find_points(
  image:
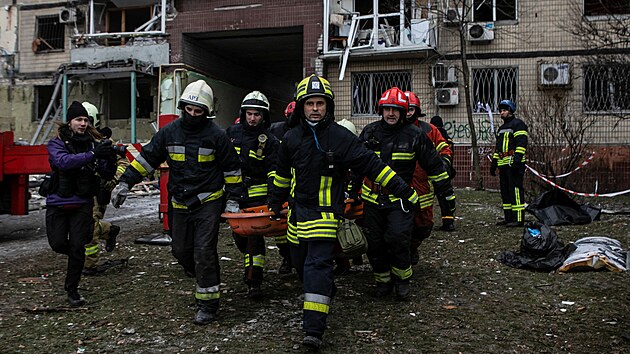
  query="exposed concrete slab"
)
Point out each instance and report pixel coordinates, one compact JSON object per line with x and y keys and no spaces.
{"x":156,"y":54}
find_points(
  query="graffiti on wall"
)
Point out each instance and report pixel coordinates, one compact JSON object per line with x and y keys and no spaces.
{"x":462,"y":130}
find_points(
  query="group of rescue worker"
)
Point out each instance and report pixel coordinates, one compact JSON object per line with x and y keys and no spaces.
{"x":395,"y":166}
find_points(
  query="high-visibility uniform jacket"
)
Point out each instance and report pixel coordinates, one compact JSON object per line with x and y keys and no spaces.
{"x":201,"y":162}
{"x":257,"y":149}
{"x":511,"y":143}
{"x":420,"y":180}
{"x":312,"y":167}
{"x":402,"y":147}
{"x":278,"y":129}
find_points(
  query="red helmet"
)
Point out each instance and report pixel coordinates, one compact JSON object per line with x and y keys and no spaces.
{"x":394,"y":97}
{"x":413,"y":99}
{"x":290,"y":108}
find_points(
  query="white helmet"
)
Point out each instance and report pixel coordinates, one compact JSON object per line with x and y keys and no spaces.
{"x":256,"y":100}
{"x":92,"y":112}
{"x":198,"y":94}
{"x":348,"y":125}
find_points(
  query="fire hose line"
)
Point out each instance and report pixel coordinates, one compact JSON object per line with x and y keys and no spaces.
{"x":609,"y":195}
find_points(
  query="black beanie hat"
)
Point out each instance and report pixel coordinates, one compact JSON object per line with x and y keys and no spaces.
{"x":437,"y":121}
{"x":76,"y":109}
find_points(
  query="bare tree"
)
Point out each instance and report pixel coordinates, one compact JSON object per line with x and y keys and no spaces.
{"x":559,"y":134}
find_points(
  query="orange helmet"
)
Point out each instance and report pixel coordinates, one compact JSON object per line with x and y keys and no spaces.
{"x":290,"y":108}
{"x":414,"y":102}
{"x":394,"y":97}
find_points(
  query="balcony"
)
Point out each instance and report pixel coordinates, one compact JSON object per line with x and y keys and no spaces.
{"x":352,"y":29}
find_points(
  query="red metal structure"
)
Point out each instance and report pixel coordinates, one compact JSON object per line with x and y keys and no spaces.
{"x":16,"y":163}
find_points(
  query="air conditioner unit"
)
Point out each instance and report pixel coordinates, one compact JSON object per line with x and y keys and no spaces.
{"x":67,"y":15}
{"x":447,"y":96}
{"x":557,"y":74}
{"x":480,"y":31}
{"x":443,"y":75}
{"x":453,"y":15}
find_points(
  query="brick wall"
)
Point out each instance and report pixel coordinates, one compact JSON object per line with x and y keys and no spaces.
{"x":206,"y":16}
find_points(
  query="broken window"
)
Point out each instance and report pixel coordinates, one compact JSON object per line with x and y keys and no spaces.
{"x":607,"y":88}
{"x":367,"y":88}
{"x":120,"y":98}
{"x":50,"y":34}
{"x":126,"y":20}
{"x":606,"y":7}
{"x":491,"y":85}
{"x":494,"y":10}
{"x":43,"y":95}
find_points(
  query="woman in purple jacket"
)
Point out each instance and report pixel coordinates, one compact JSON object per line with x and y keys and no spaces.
{"x":77,"y":156}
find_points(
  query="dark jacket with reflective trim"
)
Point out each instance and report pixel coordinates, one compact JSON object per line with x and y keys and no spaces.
{"x":342,"y":150}
{"x":400,"y":147}
{"x":278,"y":129}
{"x":200,"y":161}
{"x":257,"y":171}
{"x":511,"y":142}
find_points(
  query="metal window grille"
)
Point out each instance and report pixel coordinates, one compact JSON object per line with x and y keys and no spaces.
{"x":50,"y":34}
{"x":607,"y":88}
{"x":605,"y":8}
{"x":491,"y":85}
{"x":367,"y":88}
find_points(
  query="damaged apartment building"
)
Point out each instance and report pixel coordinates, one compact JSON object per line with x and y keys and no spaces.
{"x":132,"y":59}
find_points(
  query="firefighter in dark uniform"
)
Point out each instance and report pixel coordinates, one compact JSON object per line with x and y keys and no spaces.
{"x":257,"y":149}
{"x":448,"y":217}
{"x":204,"y":169}
{"x":278,"y":129}
{"x":423,"y":219}
{"x":509,"y":157}
{"x":388,"y":219}
{"x":313,"y":160}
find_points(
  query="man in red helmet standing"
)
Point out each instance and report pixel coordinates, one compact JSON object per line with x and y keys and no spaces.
{"x":423,"y":220}
{"x":509,"y":157}
{"x":313,"y":159}
{"x":388,"y":219}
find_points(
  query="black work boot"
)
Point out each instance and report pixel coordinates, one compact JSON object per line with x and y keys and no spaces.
{"x":204,"y":314}
{"x":254,"y":292}
{"x":110,"y":244}
{"x":74,"y":299}
{"x":383,"y":289}
{"x":447,"y":225}
{"x":515,"y":224}
{"x":312,"y":341}
{"x":285,"y":267}
{"x":402,"y":290}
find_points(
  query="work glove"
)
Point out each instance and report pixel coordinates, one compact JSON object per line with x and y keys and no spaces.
{"x":493,"y":168}
{"x":407,"y":205}
{"x":232,"y":206}
{"x":276,"y":210}
{"x":119,"y":194}
{"x":103,"y":150}
{"x":109,"y":186}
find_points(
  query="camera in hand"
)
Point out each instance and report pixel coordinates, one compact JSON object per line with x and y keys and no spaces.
{"x":120,"y":150}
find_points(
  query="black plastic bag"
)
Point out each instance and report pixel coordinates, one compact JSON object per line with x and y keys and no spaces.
{"x":555,"y":207}
{"x":540,"y":249}
{"x":49,"y":184}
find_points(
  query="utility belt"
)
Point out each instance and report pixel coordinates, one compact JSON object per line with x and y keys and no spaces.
{"x":507,"y":153}
{"x":376,"y":188}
